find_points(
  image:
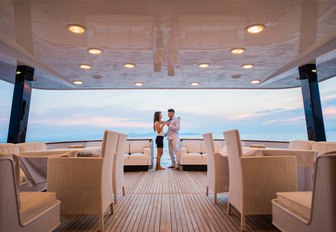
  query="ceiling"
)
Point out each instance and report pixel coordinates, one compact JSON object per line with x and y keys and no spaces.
{"x":166,"y":40}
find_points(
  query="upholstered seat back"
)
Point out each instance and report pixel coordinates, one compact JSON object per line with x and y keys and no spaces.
{"x":138,"y":146}
{"x":193,"y":146}
{"x":32,"y":146}
{"x":9,"y":149}
{"x":218,"y":145}
{"x":324,"y":147}
{"x":301,"y":145}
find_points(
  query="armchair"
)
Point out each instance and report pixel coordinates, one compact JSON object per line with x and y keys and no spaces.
{"x":310,"y":211}
{"x":25,"y":211}
{"x":84,"y":185}
{"x":118,"y":168}
{"x":254,"y":181}
{"x":218,"y":173}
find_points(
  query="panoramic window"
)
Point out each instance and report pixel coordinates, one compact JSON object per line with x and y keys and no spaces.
{"x":6,"y":95}
{"x":328,"y":97}
{"x":84,"y":115}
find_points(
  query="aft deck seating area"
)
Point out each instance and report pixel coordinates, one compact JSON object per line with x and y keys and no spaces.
{"x":167,"y":201}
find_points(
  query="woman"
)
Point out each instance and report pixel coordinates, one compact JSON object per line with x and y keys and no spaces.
{"x":158,"y":128}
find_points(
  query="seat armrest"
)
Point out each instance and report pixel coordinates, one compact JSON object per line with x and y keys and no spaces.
{"x":73,"y":179}
{"x":184,"y":150}
{"x":147,"y":151}
{"x":47,"y":154}
{"x":266,"y":175}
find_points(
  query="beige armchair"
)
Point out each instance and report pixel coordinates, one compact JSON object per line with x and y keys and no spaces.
{"x":25,"y":211}
{"x":84,"y":185}
{"x":254,"y":181}
{"x":218,"y":173}
{"x":310,"y":211}
{"x":118,"y":168}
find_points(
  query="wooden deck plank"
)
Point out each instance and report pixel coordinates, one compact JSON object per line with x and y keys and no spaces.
{"x":167,"y":201}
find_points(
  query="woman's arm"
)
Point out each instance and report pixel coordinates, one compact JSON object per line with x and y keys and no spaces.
{"x":158,"y":127}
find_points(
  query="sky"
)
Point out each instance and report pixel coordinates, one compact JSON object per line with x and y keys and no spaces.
{"x":70,"y":115}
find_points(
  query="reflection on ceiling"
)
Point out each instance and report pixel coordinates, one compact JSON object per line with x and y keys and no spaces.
{"x":167,"y":44}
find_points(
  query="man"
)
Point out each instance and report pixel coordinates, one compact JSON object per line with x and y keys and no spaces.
{"x":173,"y":139}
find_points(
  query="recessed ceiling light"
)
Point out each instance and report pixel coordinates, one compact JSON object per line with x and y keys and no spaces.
{"x":78,"y":82}
{"x":313,"y":70}
{"x":236,"y":76}
{"x":18,"y":72}
{"x":95,"y":51}
{"x":97,"y":77}
{"x":76,"y":28}
{"x":138,"y":84}
{"x":247,"y":66}
{"x":237,"y":50}
{"x":129,"y":65}
{"x":255,"y":82}
{"x":255,"y":28}
{"x":194,"y":83}
{"x":204,"y":65}
{"x":85,"y":66}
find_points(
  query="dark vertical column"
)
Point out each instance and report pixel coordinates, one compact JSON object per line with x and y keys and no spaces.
{"x":312,"y":102}
{"x":20,"y":105}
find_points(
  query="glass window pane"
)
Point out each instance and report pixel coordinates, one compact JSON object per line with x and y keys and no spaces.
{"x":328,"y":96}
{"x":6,"y":96}
{"x":84,"y":115}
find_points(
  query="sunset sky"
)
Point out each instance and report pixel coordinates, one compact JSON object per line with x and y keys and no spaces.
{"x":80,"y":115}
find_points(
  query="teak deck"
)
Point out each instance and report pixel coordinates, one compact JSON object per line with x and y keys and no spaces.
{"x":167,"y":201}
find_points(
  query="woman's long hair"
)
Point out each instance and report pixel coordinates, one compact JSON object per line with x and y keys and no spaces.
{"x":156,"y":118}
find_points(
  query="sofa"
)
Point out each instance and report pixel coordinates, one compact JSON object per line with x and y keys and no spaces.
{"x":194,"y":154}
{"x":138,"y":155}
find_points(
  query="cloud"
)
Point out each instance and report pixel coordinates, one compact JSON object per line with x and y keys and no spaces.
{"x":243,"y":116}
{"x":3,"y":119}
{"x":255,"y":114}
{"x":330,"y":111}
{"x":270,"y":110}
{"x":105,"y":122}
{"x":328,"y":97}
{"x":284,"y":121}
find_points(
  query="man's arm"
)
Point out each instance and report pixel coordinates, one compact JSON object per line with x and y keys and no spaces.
{"x":175,"y":125}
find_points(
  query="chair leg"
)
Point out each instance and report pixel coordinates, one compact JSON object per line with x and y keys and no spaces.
{"x":115,"y":198}
{"x":112,"y":209}
{"x":101,"y":222}
{"x":207,"y":191}
{"x":215,"y":198}
{"x":123,"y":190}
{"x":228,"y":210}
{"x":242,"y":223}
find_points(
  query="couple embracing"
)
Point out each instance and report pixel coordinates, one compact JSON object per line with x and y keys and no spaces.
{"x":172,"y":134}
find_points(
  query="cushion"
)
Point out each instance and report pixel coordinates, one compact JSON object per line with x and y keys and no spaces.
{"x":33,"y":146}
{"x":194,"y":159}
{"x":324,"y":147}
{"x":34,"y":203}
{"x":137,"y":156}
{"x":193,"y":146}
{"x":297,"y":202}
{"x":301,"y":145}
{"x":139,"y":145}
